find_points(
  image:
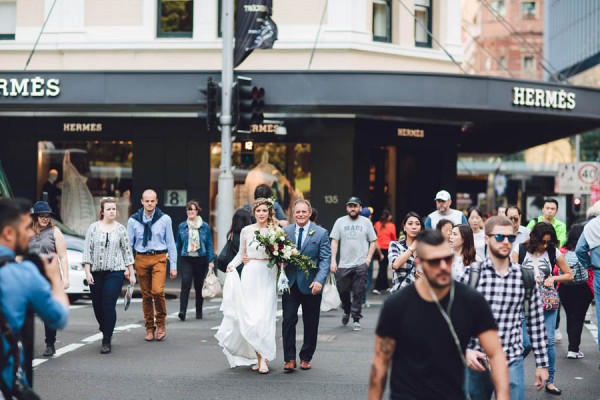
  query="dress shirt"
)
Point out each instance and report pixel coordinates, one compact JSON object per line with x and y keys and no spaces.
{"x":162,"y":237}
{"x":304,"y":232}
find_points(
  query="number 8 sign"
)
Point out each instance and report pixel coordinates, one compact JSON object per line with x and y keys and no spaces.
{"x":175,"y":198}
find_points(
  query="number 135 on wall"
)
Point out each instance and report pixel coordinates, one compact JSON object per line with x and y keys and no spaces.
{"x":331,"y":199}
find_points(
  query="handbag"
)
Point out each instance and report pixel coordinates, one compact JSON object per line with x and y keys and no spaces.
{"x":211,"y":287}
{"x":228,"y":252}
{"x":331,"y":297}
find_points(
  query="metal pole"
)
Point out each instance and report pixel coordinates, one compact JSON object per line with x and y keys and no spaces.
{"x":225,"y":184}
{"x":577,"y":148}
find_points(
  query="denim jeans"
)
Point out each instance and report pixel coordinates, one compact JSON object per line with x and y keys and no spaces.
{"x":105,"y":292}
{"x":550,"y":325}
{"x":480,"y":386}
{"x":597,"y":295}
{"x":369,"y":279}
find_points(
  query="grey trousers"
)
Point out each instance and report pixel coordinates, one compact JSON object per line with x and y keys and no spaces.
{"x":351,"y":286}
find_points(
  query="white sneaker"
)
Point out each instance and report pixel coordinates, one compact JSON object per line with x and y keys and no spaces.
{"x":356,"y":326}
{"x":575,"y":355}
{"x":558,"y":336}
{"x":377,"y":292}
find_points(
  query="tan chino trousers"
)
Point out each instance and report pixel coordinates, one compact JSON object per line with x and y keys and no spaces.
{"x":151,"y":273}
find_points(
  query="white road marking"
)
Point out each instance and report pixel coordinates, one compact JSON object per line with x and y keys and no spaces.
{"x":75,"y":307}
{"x":127,"y":327}
{"x":593,"y":329}
{"x":93,"y":338}
{"x":68,"y":348}
{"x":38,"y":361}
{"x":578,"y":378}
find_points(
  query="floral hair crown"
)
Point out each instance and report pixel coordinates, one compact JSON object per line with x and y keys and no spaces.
{"x":269,"y":202}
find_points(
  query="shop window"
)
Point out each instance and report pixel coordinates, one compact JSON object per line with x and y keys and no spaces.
{"x":175,"y":18}
{"x":75,"y":175}
{"x":285,"y":167}
{"x":382,"y":20}
{"x":528,"y":63}
{"x":499,"y":6}
{"x":528,"y":9}
{"x":8,"y":20}
{"x":423,"y":23}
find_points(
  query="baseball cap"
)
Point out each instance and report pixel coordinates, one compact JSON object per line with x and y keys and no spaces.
{"x":442,"y":195}
{"x":366,"y":212}
{"x":354,"y":200}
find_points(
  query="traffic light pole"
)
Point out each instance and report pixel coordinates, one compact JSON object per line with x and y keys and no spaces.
{"x":225,"y":183}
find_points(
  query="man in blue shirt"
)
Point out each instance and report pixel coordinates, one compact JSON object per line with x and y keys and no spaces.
{"x":150,"y":233}
{"x":22,"y":286}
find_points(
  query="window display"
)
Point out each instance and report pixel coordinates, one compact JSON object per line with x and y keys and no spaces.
{"x":73,"y":176}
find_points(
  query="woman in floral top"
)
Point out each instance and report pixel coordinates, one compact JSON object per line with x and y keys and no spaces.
{"x":401,"y":254}
{"x":107,"y":258}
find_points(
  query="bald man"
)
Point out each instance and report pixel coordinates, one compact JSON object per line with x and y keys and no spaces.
{"x":150,"y":233}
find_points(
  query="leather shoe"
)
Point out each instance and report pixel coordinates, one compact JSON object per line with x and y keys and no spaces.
{"x":305,"y":365}
{"x":555,"y":390}
{"x":181,"y":316}
{"x":149,"y":336}
{"x":161,"y":333}
{"x":289,"y":365}
{"x":50,"y":351}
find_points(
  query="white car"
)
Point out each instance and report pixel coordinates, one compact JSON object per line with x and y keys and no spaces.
{"x":78,"y":284}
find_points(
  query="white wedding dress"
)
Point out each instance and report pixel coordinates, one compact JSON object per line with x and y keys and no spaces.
{"x":249,"y":306}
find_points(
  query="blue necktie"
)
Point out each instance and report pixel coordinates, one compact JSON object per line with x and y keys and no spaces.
{"x":300,"y":238}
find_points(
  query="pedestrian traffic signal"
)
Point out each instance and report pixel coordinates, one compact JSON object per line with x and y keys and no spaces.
{"x":248,"y":152}
{"x":248,"y":104}
{"x":211,"y":93}
{"x":576,"y":205}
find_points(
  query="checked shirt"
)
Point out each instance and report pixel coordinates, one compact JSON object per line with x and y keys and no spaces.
{"x":407,"y":271}
{"x":505,"y":296}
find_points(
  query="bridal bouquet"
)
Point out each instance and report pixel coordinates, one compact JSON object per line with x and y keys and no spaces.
{"x":282,"y":251}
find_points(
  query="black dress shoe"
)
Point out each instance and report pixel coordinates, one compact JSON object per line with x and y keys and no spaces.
{"x":555,"y":391}
{"x":50,"y":351}
{"x":106,"y":347}
{"x":198,"y":316}
{"x":181,"y":316}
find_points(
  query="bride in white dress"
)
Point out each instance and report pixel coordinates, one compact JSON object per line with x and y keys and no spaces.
{"x":247,"y":332}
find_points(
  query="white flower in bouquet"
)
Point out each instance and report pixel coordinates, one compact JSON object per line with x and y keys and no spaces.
{"x":294,"y":251}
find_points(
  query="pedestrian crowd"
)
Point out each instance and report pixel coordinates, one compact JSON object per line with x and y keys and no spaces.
{"x":469,"y":298}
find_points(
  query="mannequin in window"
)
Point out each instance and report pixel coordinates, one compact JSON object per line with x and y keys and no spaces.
{"x":51,"y":189}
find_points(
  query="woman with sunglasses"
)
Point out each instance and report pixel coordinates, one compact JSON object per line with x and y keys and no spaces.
{"x":107,"y":259}
{"x":49,"y":240}
{"x":195,"y":256}
{"x":401,"y":254}
{"x":463,"y":246}
{"x":543,"y":241}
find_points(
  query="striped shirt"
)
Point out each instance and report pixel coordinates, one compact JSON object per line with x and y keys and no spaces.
{"x":406,"y":274}
{"x":505,"y":296}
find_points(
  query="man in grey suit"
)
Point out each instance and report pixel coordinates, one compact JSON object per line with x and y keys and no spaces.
{"x":312,"y":241}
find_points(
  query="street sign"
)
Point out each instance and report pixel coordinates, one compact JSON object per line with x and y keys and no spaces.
{"x":175,"y":198}
{"x":577,"y":178}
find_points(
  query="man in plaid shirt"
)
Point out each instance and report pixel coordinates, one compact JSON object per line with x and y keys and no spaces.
{"x":501,"y":284}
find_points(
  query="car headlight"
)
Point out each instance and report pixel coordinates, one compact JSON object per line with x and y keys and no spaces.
{"x":76,"y":267}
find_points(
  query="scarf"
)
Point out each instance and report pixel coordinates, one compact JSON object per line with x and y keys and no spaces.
{"x":194,"y":234}
{"x":139,"y":217}
{"x":591,"y":232}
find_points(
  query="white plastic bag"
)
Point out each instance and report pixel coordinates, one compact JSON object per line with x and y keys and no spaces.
{"x":331,"y":297}
{"x":212,"y":286}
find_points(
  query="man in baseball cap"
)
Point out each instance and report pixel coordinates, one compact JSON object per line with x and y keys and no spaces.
{"x":443,"y":200}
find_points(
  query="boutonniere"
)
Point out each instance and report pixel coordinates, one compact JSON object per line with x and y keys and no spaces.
{"x":310,"y":232}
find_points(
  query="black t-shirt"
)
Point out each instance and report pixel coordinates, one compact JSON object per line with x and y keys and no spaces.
{"x":426,"y":363}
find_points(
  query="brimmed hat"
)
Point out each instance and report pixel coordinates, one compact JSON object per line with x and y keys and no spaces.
{"x":41,"y":207}
{"x":354,"y":200}
{"x":442,"y":195}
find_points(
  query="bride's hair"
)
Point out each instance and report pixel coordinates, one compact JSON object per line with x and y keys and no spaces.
{"x":269,"y":203}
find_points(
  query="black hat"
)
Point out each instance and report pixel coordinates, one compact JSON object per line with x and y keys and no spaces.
{"x":354,"y":200}
{"x":41,"y":207}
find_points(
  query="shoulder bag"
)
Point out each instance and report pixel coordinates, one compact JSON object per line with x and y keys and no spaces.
{"x":227,"y":254}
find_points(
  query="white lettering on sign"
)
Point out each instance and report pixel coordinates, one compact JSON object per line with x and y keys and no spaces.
{"x":26,"y":87}
{"x":530,"y":97}
{"x":255,"y":8}
{"x":77,"y":127}
{"x":416,"y":133}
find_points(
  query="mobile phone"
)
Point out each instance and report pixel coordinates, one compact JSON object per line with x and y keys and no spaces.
{"x":485,"y":361}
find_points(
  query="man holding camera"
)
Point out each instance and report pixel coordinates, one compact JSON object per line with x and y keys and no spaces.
{"x":34,"y":284}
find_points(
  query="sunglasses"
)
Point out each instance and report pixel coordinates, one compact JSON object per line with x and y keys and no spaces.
{"x":192,"y":209}
{"x":435,"y":262}
{"x":44,"y":216}
{"x":500,"y":237}
{"x":513,"y":219}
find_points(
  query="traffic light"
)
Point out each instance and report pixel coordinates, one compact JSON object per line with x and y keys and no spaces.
{"x":248,"y":152}
{"x":248,"y":104}
{"x":211,"y":93}
{"x":576,"y":205}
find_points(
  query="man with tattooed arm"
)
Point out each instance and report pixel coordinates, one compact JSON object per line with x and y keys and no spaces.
{"x":424,"y":329}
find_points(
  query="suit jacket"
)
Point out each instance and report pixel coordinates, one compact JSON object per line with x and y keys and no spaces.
{"x":317,"y":247}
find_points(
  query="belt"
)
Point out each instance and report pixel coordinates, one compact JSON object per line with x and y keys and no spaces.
{"x":152,"y":252}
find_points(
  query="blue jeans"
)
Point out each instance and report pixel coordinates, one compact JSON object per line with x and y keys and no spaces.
{"x":597,"y":295}
{"x":105,"y":292}
{"x":550,"y":325}
{"x":369,"y":280}
{"x":480,"y":386}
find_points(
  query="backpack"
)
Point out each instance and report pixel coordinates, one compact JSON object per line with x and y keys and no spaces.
{"x":528,"y":281}
{"x":551,"y":254}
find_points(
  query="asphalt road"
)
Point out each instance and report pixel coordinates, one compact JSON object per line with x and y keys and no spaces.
{"x":190,"y":365}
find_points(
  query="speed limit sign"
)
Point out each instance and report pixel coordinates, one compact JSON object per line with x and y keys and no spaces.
{"x":587,"y":174}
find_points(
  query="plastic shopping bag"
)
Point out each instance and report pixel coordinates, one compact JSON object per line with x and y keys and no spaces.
{"x":331,"y":297}
{"x":212,"y":286}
